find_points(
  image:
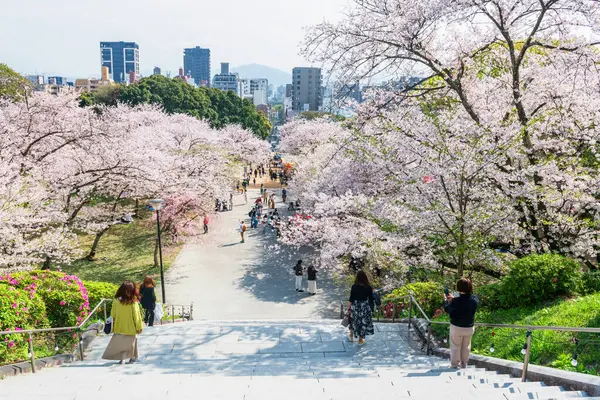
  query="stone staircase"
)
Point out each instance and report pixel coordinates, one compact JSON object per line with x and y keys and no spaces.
{"x":270,"y":360}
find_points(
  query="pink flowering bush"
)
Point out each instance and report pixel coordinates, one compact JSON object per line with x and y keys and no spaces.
{"x":19,"y":310}
{"x":65,"y":296}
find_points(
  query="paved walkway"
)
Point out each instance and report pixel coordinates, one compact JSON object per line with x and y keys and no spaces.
{"x":229,"y":280}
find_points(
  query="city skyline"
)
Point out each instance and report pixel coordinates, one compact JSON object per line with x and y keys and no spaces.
{"x":71,"y":49}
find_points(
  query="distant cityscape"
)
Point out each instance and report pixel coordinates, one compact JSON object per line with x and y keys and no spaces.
{"x":120,"y":64}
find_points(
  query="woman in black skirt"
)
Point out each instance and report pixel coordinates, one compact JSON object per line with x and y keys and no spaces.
{"x":359,"y":308}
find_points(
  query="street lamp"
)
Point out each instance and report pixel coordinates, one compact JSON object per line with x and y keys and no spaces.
{"x":157,"y":205}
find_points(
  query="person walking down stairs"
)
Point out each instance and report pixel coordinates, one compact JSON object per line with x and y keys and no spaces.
{"x":127,"y":324}
{"x":359,"y":308}
{"x":148,"y":299}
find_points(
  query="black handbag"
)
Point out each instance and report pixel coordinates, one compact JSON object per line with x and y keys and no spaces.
{"x":108,"y":326}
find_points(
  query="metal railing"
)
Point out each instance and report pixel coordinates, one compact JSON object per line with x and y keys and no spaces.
{"x":412,"y":302}
{"x":80,"y":329}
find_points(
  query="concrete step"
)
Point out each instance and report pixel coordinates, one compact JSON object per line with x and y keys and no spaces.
{"x":266,"y":360}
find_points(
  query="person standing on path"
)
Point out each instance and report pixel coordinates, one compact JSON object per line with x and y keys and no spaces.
{"x":148,"y":299}
{"x":245,"y":196}
{"x":312,"y":280}
{"x":299,"y":271}
{"x":205,"y":224}
{"x":242,"y":230}
{"x":127,"y":324}
{"x":462,"y":322}
{"x":283,"y":195}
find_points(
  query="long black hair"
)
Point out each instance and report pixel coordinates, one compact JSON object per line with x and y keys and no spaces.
{"x":361,"y":279}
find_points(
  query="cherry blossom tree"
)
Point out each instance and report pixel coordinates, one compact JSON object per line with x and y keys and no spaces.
{"x":497,"y":139}
{"x":68,"y":169}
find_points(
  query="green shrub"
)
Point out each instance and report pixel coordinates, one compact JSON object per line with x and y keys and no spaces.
{"x":490,"y":296}
{"x":429,"y":295}
{"x":590,"y":283}
{"x":538,"y":278}
{"x":65,"y":297}
{"x":100,"y":290}
{"x":20,"y":309}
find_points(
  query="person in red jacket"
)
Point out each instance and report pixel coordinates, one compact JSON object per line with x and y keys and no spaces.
{"x":205,"y":224}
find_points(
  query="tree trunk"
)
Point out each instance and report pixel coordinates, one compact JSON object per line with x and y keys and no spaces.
{"x":47,"y":263}
{"x":94,"y":248}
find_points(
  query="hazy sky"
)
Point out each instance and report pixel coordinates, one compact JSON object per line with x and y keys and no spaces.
{"x":62,"y":37}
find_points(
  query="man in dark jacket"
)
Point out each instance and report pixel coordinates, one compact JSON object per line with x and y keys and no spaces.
{"x":299,"y":271}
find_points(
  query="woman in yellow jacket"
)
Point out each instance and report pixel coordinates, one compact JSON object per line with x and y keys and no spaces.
{"x":127,"y":324}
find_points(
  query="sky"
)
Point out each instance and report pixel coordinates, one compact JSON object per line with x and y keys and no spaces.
{"x":62,"y":37}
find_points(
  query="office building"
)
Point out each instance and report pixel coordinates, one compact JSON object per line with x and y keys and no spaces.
{"x":120,"y":58}
{"x":196,"y":62}
{"x":260,"y":98}
{"x":307,"y":93}
{"x":255,"y":90}
{"x":57,"y":80}
{"x":87,"y":85}
{"x":156,"y":71}
{"x":227,"y":81}
{"x":36,"y":80}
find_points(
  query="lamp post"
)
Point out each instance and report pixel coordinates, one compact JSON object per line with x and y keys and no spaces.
{"x":157,"y":205}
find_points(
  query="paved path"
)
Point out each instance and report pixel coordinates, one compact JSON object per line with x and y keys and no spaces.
{"x":229,"y":280}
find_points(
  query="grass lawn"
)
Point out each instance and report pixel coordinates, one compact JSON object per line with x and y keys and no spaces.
{"x":548,"y":348}
{"x":125,"y":253}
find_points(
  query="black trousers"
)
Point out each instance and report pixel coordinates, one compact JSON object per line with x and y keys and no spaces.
{"x":149,"y":316}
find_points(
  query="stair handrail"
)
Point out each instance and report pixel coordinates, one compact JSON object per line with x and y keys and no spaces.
{"x":79,"y":328}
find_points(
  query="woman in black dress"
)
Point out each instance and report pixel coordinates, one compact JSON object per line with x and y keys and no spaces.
{"x":148,"y":300}
{"x":359,"y":308}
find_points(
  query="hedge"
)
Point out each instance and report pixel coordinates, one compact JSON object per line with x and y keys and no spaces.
{"x":429,"y":295}
{"x":100,"y":290}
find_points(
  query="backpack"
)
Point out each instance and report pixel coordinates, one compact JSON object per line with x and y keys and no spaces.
{"x":243,"y":228}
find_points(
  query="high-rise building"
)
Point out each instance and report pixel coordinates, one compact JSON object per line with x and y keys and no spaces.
{"x":196,"y":62}
{"x":227,"y":81}
{"x":307,"y":93}
{"x":121,"y":58}
{"x":156,"y":71}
